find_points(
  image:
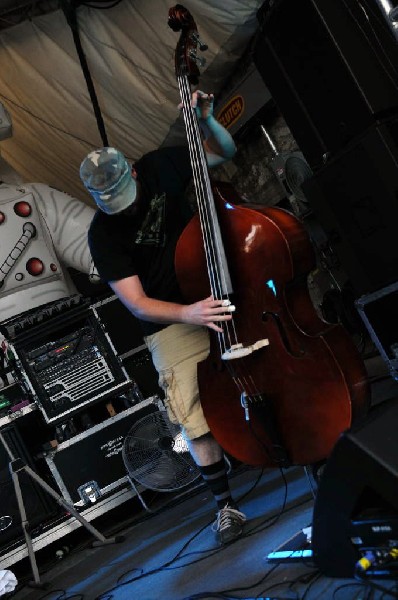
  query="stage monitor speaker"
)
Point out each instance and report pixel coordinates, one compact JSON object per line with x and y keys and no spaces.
{"x":331,"y":67}
{"x":354,"y":198}
{"x":38,"y":505}
{"x":356,"y":507}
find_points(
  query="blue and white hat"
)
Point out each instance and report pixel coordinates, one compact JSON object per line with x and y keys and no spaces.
{"x":107,"y":176}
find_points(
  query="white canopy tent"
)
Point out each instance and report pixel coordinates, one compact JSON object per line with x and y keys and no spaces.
{"x":129,"y":50}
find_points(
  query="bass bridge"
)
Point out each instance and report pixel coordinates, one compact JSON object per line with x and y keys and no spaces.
{"x":239,"y":350}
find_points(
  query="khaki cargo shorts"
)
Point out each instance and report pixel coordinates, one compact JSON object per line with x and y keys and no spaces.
{"x":176,"y":350}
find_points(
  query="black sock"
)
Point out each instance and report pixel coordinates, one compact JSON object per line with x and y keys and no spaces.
{"x":215,"y":476}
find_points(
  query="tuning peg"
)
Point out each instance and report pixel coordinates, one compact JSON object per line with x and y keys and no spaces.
{"x":199,"y":61}
{"x":196,"y":39}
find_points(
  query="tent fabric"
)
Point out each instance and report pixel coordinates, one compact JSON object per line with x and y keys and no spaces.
{"x":130,"y":53}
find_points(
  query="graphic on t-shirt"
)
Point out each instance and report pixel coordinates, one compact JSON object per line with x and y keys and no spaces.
{"x":152,"y":231}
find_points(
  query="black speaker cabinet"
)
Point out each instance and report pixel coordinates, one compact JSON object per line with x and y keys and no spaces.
{"x":355,"y":199}
{"x":331,"y":67}
{"x":357,"y":501}
{"x":38,"y":505}
{"x":122,"y":327}
{"x":141,"y":369}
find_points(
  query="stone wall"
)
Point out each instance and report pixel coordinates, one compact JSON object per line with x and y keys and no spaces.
{"x":250,"y":171}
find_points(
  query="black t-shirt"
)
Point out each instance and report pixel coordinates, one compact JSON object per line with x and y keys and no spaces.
{"x":144,"y":245}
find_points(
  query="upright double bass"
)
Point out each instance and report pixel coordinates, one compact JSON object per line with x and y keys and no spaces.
{"x":279,"y":384}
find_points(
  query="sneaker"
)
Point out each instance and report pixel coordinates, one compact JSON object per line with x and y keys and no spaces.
{"x":229,"y":524}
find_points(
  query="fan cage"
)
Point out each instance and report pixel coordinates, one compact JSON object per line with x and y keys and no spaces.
{"x":156,"y":455}
{"x":297,"y":171}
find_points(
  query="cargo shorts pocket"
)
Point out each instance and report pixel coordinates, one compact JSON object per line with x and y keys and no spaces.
{"x":173,"y":399}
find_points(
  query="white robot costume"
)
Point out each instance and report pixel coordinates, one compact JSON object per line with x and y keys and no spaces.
{"x":42,"y":231}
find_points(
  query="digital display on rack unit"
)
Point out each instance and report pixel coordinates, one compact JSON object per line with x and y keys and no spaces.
{"x":71,"y":365}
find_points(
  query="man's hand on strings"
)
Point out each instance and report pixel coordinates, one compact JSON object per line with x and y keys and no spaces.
{"x":209,"y":312}
{"x":202,"y":103}
{"x":218,"y":143}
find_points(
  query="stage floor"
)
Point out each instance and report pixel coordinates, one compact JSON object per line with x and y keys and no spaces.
{"x":172,"y":553}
